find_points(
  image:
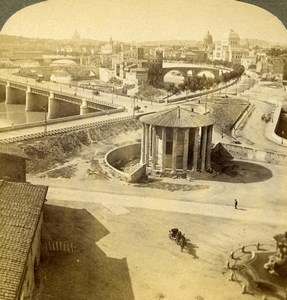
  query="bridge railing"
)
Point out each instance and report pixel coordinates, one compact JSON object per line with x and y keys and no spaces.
{"x":66,"y":129}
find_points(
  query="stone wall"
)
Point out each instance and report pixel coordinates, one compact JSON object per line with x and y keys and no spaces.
{"x":271,"y":128}
{"x":13,"y":168}
{"x":246,"y":153}
{"x":126,"y":153}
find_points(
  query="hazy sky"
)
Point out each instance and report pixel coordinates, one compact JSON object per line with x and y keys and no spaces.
{"x":142,"y":20}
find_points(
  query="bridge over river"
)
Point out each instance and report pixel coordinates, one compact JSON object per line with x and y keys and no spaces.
{"x":186,"y":68}
{"x":56,"y":101}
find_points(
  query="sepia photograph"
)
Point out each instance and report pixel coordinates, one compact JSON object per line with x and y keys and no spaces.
{"x":143,"y":150}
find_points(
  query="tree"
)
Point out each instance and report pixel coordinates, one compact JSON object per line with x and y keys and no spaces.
{"x":196,"y":83}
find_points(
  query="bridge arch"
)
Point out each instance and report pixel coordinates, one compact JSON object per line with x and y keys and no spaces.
{"x":207,"y":73}
{"x":186,"y":69}
{"x":174,"y":75}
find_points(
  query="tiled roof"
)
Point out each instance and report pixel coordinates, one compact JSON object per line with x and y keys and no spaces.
{"x":178,"y":117}
{"x":20,"y":208}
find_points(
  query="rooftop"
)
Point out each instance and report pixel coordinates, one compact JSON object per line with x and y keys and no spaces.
{"x":178,"y":117}
{"x":20,"y":209}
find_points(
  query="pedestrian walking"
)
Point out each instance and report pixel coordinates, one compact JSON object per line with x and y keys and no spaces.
{"x":235,"y":204}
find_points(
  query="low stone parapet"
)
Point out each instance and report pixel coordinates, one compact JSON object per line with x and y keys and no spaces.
{"x":126,"y":153}
{"x":270,"y":130}
{"x":247,"y":153}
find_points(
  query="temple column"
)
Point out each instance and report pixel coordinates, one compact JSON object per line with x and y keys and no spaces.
{"x":163,"y":155}
{"x":150,"y":140}
{"x":174,"y":151}
{"x":203,"y":148}
{"x":147,"y":142}
{"x":208,"y":147}
{"x":185,"y":150}
{"x":142,"y":161}
{"x":195,"y":149}
{"x":154,"y":148}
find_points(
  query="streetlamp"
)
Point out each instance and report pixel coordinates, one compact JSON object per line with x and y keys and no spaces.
{"x":282,"y":137}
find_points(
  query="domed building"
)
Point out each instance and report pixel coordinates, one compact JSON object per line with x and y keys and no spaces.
{"x":229,"y":49}
{"x":230,"y":38}
{"x":177,"y":140}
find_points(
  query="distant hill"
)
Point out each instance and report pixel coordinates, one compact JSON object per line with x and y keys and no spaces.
{"x":256,"y":42}
{"x":170,"y":43}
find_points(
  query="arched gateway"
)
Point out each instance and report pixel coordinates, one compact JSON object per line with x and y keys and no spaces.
{"x":177,"y":140}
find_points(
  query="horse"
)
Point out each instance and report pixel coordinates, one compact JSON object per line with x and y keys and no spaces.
{"x":178,"y":237}
{"x":173,"y":233}
{"x":182,"y":242}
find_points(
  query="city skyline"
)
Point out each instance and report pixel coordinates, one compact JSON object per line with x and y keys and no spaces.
{"x":160,"y":20}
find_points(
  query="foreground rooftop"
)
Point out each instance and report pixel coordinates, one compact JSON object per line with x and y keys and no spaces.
{"x":20,"y":210}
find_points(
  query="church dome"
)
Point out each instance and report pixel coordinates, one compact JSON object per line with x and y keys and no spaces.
{"x":231,"y":38}
{"x":208,"y":39}
{"x":231,"y":35}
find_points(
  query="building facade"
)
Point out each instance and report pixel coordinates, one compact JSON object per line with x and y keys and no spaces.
{"x":229,"y":49}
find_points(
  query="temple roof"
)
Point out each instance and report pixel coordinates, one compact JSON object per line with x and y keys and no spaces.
{"x":178,"y":117}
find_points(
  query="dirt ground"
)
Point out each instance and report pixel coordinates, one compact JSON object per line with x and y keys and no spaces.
{"x":120,"y":231}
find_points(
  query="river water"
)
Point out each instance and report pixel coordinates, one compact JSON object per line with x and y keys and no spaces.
{"x":14,"y":114}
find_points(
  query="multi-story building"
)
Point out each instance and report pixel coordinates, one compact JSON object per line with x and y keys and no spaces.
{"x":229,"y":49}
{"x":273,"y":65}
